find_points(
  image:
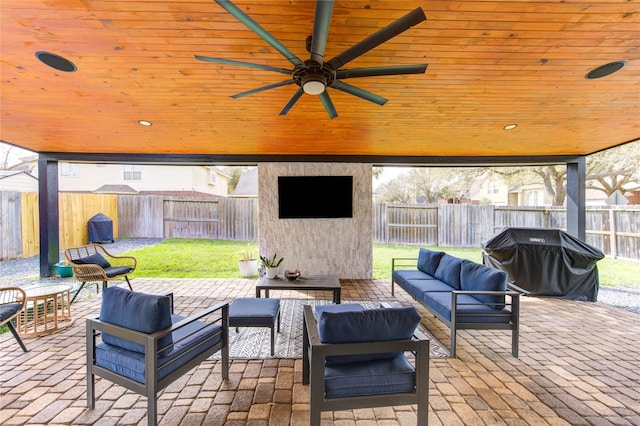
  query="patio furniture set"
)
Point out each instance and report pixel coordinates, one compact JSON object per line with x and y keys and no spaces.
{"x":352,"y":357}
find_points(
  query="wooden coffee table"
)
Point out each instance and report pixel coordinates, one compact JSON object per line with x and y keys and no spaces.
{"x":47,"y":309}
{"x":304,"y":283}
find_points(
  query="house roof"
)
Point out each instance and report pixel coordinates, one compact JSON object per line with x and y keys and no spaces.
{"x":490,"y":64}
{"x":115,"y":189}
{"x":247,"y":184}
{"x":6,"y":174}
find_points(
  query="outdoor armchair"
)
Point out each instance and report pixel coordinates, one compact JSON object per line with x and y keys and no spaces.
{"x":145,"y":347}
{"x":12,"y":300}
{"x":357,"y":359}
{"x":93,"y":263}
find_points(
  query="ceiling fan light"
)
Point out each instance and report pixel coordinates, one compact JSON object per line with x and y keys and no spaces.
{"x":313,"y":86}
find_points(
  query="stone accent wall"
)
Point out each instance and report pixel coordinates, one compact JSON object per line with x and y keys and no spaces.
{"x":341,"y":247}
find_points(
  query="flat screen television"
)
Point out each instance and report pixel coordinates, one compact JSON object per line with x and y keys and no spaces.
{"x":309,"y":197}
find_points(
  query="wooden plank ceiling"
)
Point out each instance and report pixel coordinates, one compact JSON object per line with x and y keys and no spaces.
{"x":491,"y":64}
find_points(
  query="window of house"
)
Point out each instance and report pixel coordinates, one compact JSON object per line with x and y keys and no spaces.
{"x":533,"y":198}
{"x":213,"y":177}
{"x":132,"y":172}
{"x":69,"y":169}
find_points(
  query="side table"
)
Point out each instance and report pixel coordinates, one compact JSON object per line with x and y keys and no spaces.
{"x":47,"y":309}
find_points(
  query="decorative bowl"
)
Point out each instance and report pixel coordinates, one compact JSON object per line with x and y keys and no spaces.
{"x":292,"y":275}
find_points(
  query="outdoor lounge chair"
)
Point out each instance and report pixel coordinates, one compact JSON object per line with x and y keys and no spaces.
{"x":145,"y":347}
{"x":93,"y":263}
{"x":12,"y":300}
{"x":356,"y":359}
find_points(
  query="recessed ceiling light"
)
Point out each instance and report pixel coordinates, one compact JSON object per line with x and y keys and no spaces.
{"x":56,"y":61}
{"x":145,"y":123}
{"x":510,"y":126}
{"x":605,"y":70}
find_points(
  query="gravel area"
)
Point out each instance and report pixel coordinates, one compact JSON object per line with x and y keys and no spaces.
{"x":23,"y":272}
{"x":26,"y":271}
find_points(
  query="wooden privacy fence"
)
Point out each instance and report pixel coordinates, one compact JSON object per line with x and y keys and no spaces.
{"x":156,"y":216}
{"x":20,"y":225}
{"x":616,"y":231}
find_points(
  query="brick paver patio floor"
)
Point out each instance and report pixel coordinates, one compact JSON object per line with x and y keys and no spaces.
{"x":579,"y":365}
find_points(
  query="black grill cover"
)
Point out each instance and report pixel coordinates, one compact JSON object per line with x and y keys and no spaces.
{"x":545,"y":262}
{"x":100,"y":229}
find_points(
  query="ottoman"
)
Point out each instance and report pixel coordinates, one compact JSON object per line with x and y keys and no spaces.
{"x":255,"y":312}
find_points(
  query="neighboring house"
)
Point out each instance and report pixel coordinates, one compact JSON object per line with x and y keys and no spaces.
{"x":138,"y":179}
{"x":489,"y":189}
{"x":247,"y":186}
{"x":529,"y":195}
{"x":18,"y":181}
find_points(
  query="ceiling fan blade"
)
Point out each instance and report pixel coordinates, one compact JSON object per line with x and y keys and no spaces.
{"x":242,"y":64}
{"x":352,"y":90}
{"x":377,"y":71}
{"x":320,"y":30}
{"x":292,"y":101}
{"x":375,"y":40}
{"x":328,"y":105}
{"x":262,"y":89}
{"x":256,"y":28}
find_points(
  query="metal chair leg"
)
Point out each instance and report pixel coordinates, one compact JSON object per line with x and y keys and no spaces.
{"x":78,"y":292}
{"x":17,"y":336}
{"x":128,"y":282}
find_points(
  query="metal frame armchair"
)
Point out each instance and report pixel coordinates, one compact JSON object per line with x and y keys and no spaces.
{"x":12,"y":300}
{"x":360,"y":373}
{"x":93,"y":263}
{"x":145,"y":347}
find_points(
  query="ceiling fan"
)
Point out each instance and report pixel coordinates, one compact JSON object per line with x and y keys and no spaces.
{"x":314,"y":75}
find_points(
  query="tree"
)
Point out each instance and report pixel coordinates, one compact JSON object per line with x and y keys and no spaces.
{"x":429,"y":184}
{"x":234,"y":173}
{"x":396,"y":191}
{"x":607,"y":171}
{"x":615,"y":169}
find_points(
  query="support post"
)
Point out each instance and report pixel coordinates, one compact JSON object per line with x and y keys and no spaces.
{"x":49,"y":215}
{"x":576,"y":199}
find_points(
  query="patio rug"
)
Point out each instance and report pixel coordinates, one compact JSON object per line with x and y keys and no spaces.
{"x":254,"y":342}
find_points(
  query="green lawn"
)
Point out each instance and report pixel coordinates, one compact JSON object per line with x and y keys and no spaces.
{"x":204,"y":258}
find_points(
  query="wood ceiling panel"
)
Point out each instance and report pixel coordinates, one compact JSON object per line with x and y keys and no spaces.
{"x":491,"y":63}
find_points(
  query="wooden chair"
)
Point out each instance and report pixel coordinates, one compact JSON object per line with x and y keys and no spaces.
{"x":145,"y":347}
{"x":12,"y":300}
{"x":93,"y":263}
{"x":356,"y":359}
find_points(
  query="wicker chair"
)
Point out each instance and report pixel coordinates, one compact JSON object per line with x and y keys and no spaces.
{"x":12,"y":300}
{"x":93,"y":263}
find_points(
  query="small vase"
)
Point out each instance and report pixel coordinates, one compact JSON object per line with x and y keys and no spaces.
{"x":272,"y":273}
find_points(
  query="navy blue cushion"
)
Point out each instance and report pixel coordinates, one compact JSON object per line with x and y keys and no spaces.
{"x":428,"y":260}
{"x":189,"y":342}
{"x":369,"y":378}
{"x":8,"y":310}
{"x":403,"y":276}
{"x":475,"y":313}
{"x":474,"y":276}
{"x":253,"y":311}
{"x":449,"y":270}
{"x":343,"y":307}
{"x":94,"y":259}
{"x":142,"y":312}
{"x":114,"y":271}
{"x":369,"y":325}
{"x":418,"y":287}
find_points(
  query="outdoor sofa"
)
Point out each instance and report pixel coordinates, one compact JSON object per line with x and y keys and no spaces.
{"x":476,"y":293}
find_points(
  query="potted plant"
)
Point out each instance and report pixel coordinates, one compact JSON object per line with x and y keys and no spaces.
{"x":248,"y":264}
{"x":272,"y":264}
